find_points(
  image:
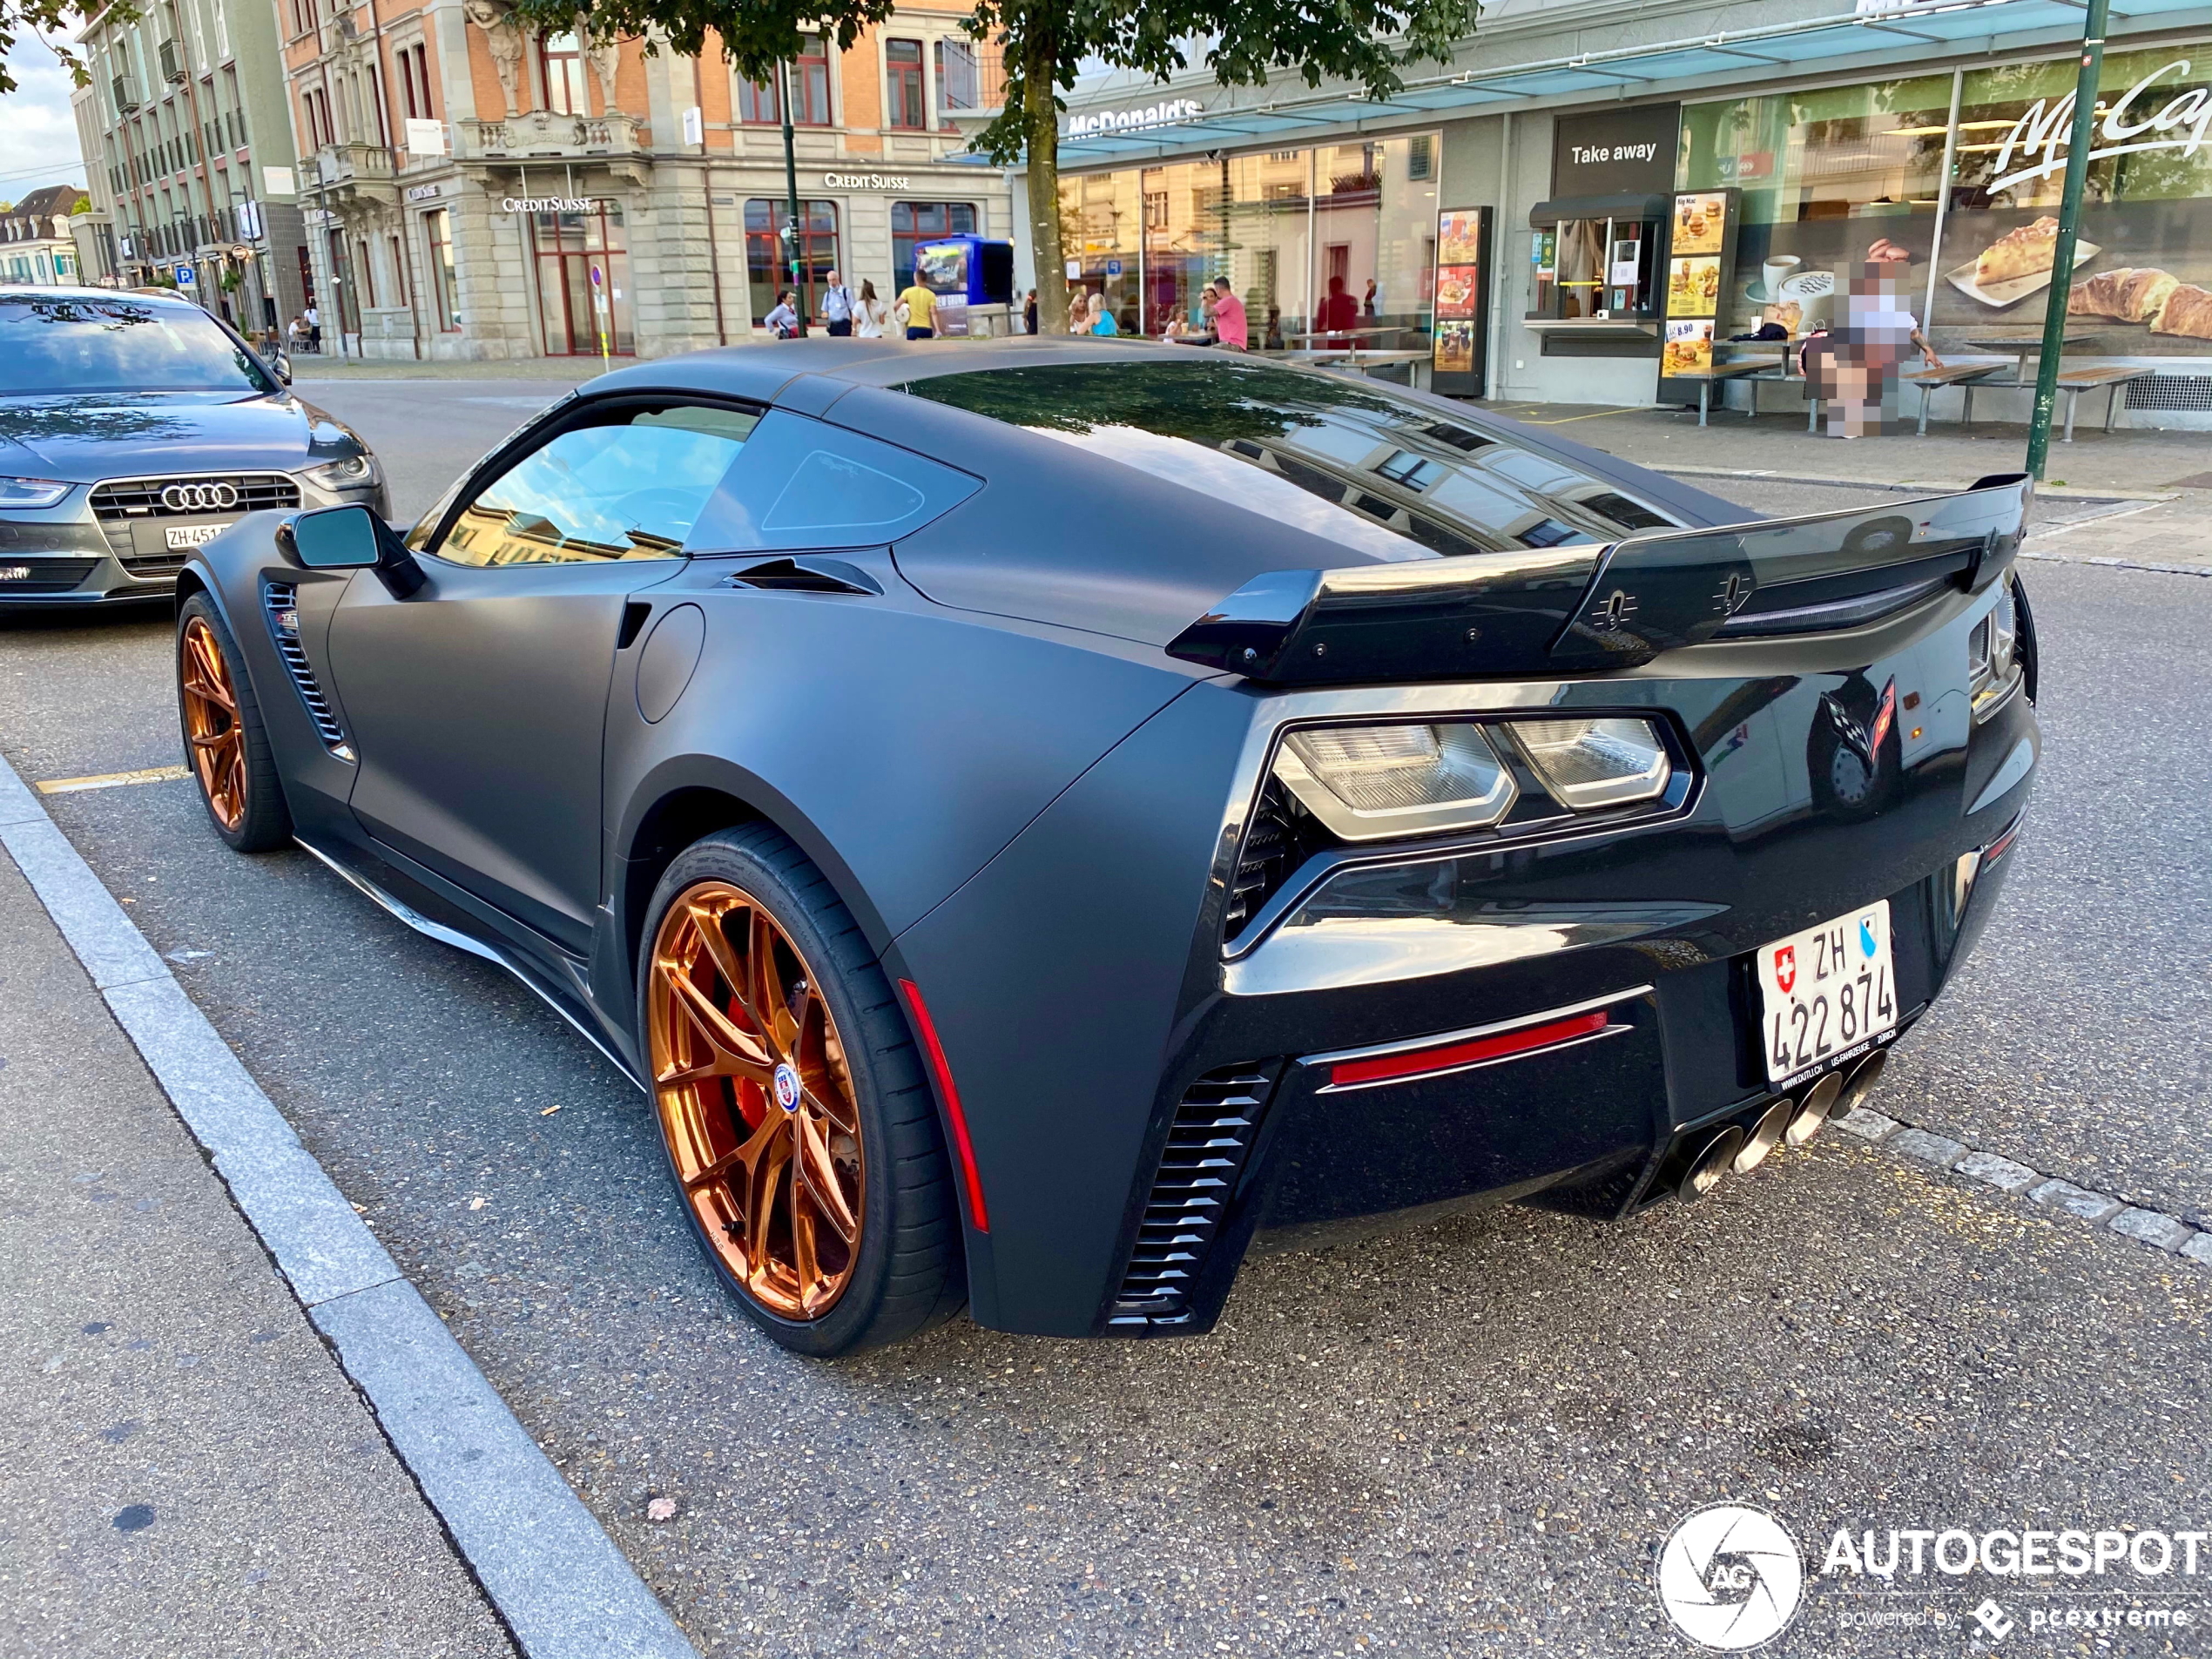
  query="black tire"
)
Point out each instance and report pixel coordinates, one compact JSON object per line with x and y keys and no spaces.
{"x":265,"y":823}
{"x":909,"y":1271}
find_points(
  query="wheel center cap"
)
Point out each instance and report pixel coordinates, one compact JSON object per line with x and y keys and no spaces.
{"x":787,"y":1086}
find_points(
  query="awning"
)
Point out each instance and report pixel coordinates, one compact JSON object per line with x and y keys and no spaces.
{"x":1907,"y":34}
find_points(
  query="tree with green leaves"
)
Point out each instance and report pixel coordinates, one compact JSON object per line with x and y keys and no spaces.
{"x":49,"y":21}
{"x":1044,"y":43}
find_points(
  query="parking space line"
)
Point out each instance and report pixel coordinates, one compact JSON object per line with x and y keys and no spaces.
{"x":111,"y":780}
{"x":564,"y":1590}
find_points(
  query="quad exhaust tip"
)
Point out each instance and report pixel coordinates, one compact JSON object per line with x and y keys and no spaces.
{"x":1863,"y":1082}
{"x":1814,"y":1111}
{"x":1782,"y":1121}
{"x":1767,"y":1131}
{"x":1710,"y":1163}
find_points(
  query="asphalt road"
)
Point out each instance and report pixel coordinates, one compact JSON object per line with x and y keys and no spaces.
{"x":1470,"y":1439}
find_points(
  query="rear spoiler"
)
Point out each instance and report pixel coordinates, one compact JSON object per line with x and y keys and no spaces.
{"x":1583,"y":608}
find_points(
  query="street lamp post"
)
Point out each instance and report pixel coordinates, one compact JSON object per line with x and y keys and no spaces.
{"x":2077,"y":171}
{"x":793,"y":238}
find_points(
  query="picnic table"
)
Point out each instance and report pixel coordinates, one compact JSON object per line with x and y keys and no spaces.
{"x":1348,"y":333}
{"x":2023,"y":346}
{"x":1717,"y":374}
{"x":1931,"y":381}
{"x":1362,"y":359}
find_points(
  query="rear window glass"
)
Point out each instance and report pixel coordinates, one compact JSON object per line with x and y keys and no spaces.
{"x":1351,"y":462}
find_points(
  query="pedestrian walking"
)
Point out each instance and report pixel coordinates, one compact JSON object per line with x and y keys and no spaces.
{"x":870,"y":314}
{"x":837,"y":306}
{"x":1229,"y":325}
{"x":314,"y":320}
{"x":783,"y":321}
{"x":1029,"y":313}
{"x":918,"y":310}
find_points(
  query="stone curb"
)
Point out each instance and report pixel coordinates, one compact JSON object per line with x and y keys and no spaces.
{"x":2169,"y":1234}
{"x":563,"y":1587}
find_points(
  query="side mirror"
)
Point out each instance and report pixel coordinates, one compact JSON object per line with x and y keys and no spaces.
{"x":280,"y":366}
{"x":350,"y":538}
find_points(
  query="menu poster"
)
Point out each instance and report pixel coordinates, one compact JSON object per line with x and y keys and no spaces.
{"x":1701,"y":250}
{"x":1689,"y":348}
{"x":1462,"y":301}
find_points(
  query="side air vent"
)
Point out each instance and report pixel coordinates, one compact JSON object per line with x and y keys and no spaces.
{"x":1281,"y":836}
{"x":280,"y":600}
{"x":1199,"y":1167}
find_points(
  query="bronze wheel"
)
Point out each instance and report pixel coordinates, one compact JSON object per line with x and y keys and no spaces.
{"x":214,"y":734}
{"x":757,"y":1100}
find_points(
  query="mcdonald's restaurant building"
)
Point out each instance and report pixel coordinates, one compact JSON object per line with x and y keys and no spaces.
{"x":1568,"y":229}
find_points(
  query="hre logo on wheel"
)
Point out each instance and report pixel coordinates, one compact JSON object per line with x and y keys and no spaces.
{"x":1731,"y":1577}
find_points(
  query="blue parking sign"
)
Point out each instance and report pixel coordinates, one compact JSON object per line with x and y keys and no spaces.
{"x":186,"y":278}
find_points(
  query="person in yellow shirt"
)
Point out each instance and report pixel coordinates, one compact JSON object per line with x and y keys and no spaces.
{"x":919,"y":306}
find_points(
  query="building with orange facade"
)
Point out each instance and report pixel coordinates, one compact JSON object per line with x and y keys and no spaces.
{"x":474,"y":189}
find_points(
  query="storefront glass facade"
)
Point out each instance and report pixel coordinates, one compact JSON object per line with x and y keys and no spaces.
{"x":768,"y":263}
{"x":1836,"y":177}
{"x":1339,"y":237}
{"x":583,"y":292}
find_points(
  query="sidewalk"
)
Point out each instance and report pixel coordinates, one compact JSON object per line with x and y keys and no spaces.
{"x":568,"y":371}
{"x":183,"y":1468}
{"x":2169,"y":473}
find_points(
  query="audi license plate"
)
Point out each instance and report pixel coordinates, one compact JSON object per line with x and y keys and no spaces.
{"x":1827,"y":990}
{"x":193,"y":534}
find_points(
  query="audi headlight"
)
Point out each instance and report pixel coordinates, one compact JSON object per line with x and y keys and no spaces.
{"x":355,"y":472}
{"x":1588,"y":764}
{"x":31,"y":492}
{"x":1365,"y":782}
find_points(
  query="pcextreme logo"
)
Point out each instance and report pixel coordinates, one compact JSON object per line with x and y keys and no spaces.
{"x":1731,"y":1577}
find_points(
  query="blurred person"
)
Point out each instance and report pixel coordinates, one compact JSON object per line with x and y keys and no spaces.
{"x":1029,"y":313}
{"x":1340,"y":312}
{"x":837,"y":306}
{"x":783,"y":321}
{"x":870,"y":314}
{"x":917,"y":307}
{"x":1857,"y":371}
{"x":1229,"y":326}
{"x":1272,"y":338}
{"x":314,"y":320}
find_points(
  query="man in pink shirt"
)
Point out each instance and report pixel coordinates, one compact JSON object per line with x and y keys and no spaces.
{"x":1229,"y":317}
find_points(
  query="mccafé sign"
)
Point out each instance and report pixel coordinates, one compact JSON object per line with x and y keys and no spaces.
{"x":2134,"y":123}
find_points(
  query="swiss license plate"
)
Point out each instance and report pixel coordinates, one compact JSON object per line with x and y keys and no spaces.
{"x":1827,"y":990}
{"x":193,"y":534}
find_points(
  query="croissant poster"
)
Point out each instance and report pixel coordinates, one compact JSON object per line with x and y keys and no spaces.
{"x":1841,"y":176}
{"x":2142,"y":275}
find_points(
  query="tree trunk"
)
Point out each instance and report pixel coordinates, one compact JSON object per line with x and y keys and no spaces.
{"x":1041,"y":120}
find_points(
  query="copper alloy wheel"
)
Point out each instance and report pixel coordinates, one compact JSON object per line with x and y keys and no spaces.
{"x":216,"y":741}
{"x":756,"y":1100}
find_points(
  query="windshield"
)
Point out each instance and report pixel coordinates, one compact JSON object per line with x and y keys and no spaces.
{"x":1393,"y":478}
{"x":72,"y":343}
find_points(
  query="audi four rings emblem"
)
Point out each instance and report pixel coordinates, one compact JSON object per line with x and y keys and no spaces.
{"x":200,"y":498}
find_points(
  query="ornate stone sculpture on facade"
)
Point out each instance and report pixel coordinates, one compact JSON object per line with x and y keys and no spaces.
{"x":606,"y":53}
{"x":496,"y":19}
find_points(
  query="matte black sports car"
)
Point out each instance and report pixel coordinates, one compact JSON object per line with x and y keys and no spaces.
{"x":133,"y":427}
{"x":1035,"y":815}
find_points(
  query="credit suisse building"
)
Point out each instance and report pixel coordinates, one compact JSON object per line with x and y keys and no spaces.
{"x":472,"y":189}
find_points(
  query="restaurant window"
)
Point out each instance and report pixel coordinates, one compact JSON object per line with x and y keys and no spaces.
{"x":767,"y":266}
{"x":907,"y":106}
{"x":560,"y":57}
{"x":1828,"y":179}
{"x":583,"y":282}
{"x":437,"y":228}
{"x":1101,"y":224}
{"x":912,"y":223}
